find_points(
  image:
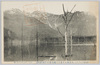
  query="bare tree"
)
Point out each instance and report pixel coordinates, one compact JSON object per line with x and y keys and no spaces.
{"x":67,"y":21}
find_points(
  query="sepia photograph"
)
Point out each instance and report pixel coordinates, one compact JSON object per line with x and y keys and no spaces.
{"x":55,"y":31}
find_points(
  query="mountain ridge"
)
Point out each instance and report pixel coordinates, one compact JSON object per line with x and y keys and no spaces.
{"x":80,"y":21}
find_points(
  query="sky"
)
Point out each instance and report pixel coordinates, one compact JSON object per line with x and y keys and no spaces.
{"x":51,"y":6}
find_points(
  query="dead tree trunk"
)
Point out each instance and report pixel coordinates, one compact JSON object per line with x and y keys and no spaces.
{"x":67,"y":21}
{"x":22,"y":42}
{"x":37,"y":44}
{"x":65,"y":41}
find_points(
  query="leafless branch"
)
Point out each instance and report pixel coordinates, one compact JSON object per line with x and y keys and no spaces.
{"x":71,"y":16}
{"x":64,"y":10}
{"x":70,"y":19}
{"x":65,"y":14}
{"x":73,"y":8}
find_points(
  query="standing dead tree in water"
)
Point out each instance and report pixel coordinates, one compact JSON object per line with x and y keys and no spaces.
{"x":66,"y":22}
{"x":67,"y":17}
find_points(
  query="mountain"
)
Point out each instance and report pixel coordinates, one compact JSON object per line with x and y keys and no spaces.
{"x":83,"y":21}
{"x":15,"y":21}
{"x":82,"y":24}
